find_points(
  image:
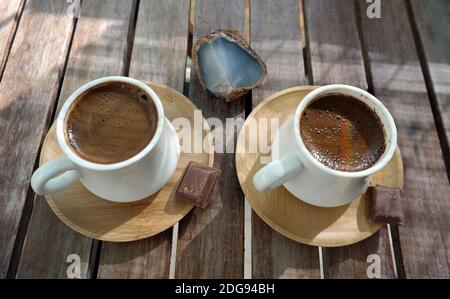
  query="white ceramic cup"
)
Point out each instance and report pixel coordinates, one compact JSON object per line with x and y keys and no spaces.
{"x":308,"y":179}
{"x":129,"y":180}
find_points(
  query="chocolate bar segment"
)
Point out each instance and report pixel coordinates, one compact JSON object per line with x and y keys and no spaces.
{"x":384,"y":205}
{"x":197,"y":184}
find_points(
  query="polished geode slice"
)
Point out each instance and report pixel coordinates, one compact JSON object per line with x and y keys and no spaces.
{"x":226,"y":64}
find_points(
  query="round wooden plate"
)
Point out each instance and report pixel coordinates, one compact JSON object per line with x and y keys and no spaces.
{"x":119,"y":222}
{"x":291,"y":217}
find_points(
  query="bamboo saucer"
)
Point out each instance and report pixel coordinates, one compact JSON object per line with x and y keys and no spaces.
{"x":286,"y":214}
{"x":119,"y":222}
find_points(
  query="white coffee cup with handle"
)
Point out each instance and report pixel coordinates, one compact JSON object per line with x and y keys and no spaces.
{"x":308,"y":179}
{"x":132,"y":179}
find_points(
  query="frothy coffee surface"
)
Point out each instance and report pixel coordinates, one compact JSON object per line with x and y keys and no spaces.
{"x":342,"y":132}
{"x":111,"y":123}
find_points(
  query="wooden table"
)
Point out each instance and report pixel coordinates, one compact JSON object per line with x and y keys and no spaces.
{"x":403,"y":58}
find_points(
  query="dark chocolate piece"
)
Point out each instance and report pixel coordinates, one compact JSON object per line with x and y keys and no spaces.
{"x":197,"y":184}
{"x":384,"y":205}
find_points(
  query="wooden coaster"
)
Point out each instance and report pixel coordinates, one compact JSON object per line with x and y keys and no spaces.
{"x":119,"y":222}
{"x":286,"y":214}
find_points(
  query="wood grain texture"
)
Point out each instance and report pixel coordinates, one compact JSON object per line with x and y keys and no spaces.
{"x":98,"y":49}
{"x":160,"y":43}
{"x":27,"y":94}
{"x":10,"y":11}
{"x":158,"y":54}
{"x":398,"y":81}
{"x":284,"y":258}
{"x":276,"y":36}
{"x":333,"y":41}
{"x":336,"y":57}
{"x":211,"y":241}
{"x":432,"y":18}
{"x":304,"y":223}
{"x":148,"y":258}
{"x":48,"y":244}
{"x":352,"y":261}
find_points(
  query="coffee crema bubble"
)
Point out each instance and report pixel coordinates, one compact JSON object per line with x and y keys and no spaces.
{"x":111,"y":123}
{"x":342,"y":133}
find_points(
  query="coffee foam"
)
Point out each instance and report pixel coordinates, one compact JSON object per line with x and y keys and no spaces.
{"x":342,"y":133}
{"x":111,"y":123}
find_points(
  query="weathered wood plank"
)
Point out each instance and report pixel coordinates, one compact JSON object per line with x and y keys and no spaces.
{"x":160,"y":44}
{"x":398,"y":81}
{"x":27,"y":95}
{"x":432,"y":20}
{"x":334,"y":45}
{"x":10,"y":10}
{"x":98,"y":49}
{"x":352,"y":261}
{"x":48,"y":244}
{"x":275,"y":256}
{"x":276,"y":36}
{"x":336,"y":57}
{"x":159,"y":55}
{"x":148,"y":258}
{"x":211,"y":242}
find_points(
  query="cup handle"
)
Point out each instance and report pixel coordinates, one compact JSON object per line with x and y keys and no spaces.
{"x":277,"y":173}
{"x":54,"y":176}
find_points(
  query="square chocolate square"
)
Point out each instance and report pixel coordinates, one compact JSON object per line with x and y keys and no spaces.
{"x":384,"y":205}
{"x":197,"y":184}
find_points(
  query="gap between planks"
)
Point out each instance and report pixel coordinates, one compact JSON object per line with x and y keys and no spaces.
{"x":437,"y":113}
{"x":11,"y":37}
{"x":187,"y":81}
{"x":391,"y":246}
{"x":29,"y":199}
{"x":247,"y":208}
{"x":96,"y":245}
{"x":173,"y":251}
{"x":248,"y":266}
{"x":370,"y":89}
{"x":309,"y":78}
{"x":247,"y":240}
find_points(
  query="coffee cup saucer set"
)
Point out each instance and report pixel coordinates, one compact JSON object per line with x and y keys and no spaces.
{"x":132,"y":199}
{"x":295,"y":194}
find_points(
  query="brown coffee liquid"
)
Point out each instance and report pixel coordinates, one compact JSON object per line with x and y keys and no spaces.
{"x":342,"y":132}
{"x":111,"y":123}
